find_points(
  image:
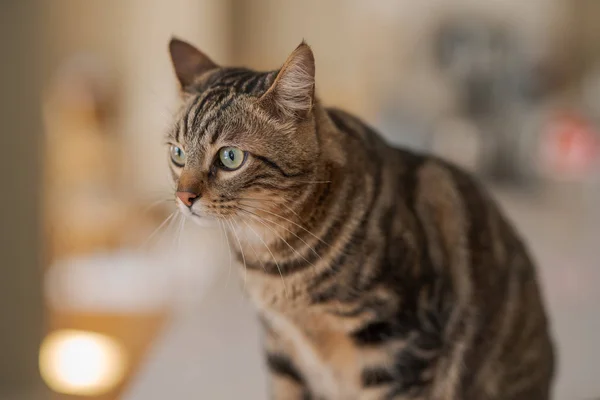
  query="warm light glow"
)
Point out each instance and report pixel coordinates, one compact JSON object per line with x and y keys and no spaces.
{"x":81,"y":363}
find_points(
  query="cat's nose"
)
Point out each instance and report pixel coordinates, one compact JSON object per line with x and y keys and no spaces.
{"x":187,"y":198}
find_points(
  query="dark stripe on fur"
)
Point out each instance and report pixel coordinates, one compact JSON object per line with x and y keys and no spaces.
{"x":351,"y":248}
{"x":282,"y":365}
{"x":376,"y":333}
{"x":337,"y":117}
{"x":276,"y":167}
{"x":253,"y":83}
{"x":212,"y":96}
{"x":217,"y":116}
{"x":376,"y":376}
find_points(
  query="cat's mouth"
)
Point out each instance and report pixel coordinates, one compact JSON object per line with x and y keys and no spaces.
{"x":207,"y":221}
{"x":200,"y":219}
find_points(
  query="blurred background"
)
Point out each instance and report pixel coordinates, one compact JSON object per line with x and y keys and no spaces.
{"x":104,"y":294}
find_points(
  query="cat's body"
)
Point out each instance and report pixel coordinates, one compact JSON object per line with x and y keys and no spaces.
{"x":377,"y":273}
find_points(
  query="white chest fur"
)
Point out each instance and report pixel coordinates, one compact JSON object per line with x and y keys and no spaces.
{"x":322,"y":360}
{"x":316,"y":341}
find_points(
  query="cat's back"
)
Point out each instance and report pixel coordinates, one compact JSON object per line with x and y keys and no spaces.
{"x":422,"y":181}
{"x":463,"y":237}
{"x":450,"y":208}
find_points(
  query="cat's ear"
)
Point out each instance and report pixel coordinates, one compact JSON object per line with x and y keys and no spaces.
{"x":188,"y":61}
{"x":292,"y":93}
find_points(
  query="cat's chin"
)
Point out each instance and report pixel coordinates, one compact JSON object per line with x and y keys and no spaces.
{"x":203,"y":221}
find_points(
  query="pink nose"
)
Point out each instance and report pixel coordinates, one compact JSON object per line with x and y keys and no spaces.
{"x":187,"y":198}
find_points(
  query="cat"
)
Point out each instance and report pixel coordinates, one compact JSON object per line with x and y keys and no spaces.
{"x":376,"y":272}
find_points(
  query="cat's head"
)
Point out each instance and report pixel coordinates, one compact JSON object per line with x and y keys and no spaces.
{"x":243,"y":139}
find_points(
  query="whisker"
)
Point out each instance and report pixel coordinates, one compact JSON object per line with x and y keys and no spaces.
{"x":283,"y":227}
{"x":229,"y":248}
{"x":292,"y":222}
{"x":242,"y":251}
{"x":177,"y":232}
{"x":272,"y":255}
{"x":181,"y":228}
{"x":281,"y":237}
{"x":275,"y":203}
{"x":254,"y":251}
{"x":169,"y":218}
{"x":293,"y":212}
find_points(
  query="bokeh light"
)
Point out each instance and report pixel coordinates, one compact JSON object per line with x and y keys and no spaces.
{"x":81,"y":363}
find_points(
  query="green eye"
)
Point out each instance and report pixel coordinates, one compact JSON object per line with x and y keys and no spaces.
{"x":231,"y":158}
{"x":177,"y":156}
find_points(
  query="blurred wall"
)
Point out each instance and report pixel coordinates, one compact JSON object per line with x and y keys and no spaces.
{"x":131,"y":38}
{"x":368,"y":51}
{"x":20,"y":270}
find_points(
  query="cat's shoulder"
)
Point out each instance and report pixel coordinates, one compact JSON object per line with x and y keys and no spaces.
{"x":426,"y":166}
{"x":352,"y":125}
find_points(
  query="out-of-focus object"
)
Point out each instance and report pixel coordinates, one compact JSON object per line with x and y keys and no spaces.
{"x":86,"y":209}
{"x":578,"y":44}
{"x":508,"y":92}
{"x":82,"y":363}
{"x":459,"y":141}
{"x":569,"y":148}
{"x":98,"y":279}
{"x":494,"y":78}
{"x":82,"y":161}
{"x":119,"y":282}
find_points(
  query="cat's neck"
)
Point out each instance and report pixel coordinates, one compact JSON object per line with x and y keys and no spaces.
{"x":296,"y":209}
{"x":277,"y":228}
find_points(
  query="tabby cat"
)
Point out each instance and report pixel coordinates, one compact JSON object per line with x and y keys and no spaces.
{"x":377,"y":273}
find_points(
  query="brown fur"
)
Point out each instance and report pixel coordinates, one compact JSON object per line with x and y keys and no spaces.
{"x":378,"y":273}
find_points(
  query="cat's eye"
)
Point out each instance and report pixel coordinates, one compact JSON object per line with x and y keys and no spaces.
{"x":231,"y":158}
{"x":177,"y":156}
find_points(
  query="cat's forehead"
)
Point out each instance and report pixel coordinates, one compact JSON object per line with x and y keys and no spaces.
{"x":242,"y":81}
{"x":215,"y":100}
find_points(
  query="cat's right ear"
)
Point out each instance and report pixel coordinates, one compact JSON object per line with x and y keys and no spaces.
{"x":292,"y":93}
{"x":188,"y":61}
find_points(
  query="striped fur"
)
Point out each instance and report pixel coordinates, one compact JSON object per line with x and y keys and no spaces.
{"x":378,"y":273}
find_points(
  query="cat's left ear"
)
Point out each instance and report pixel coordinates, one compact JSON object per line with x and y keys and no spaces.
{"x":188,"y":61}
{"x":292,"y":93}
